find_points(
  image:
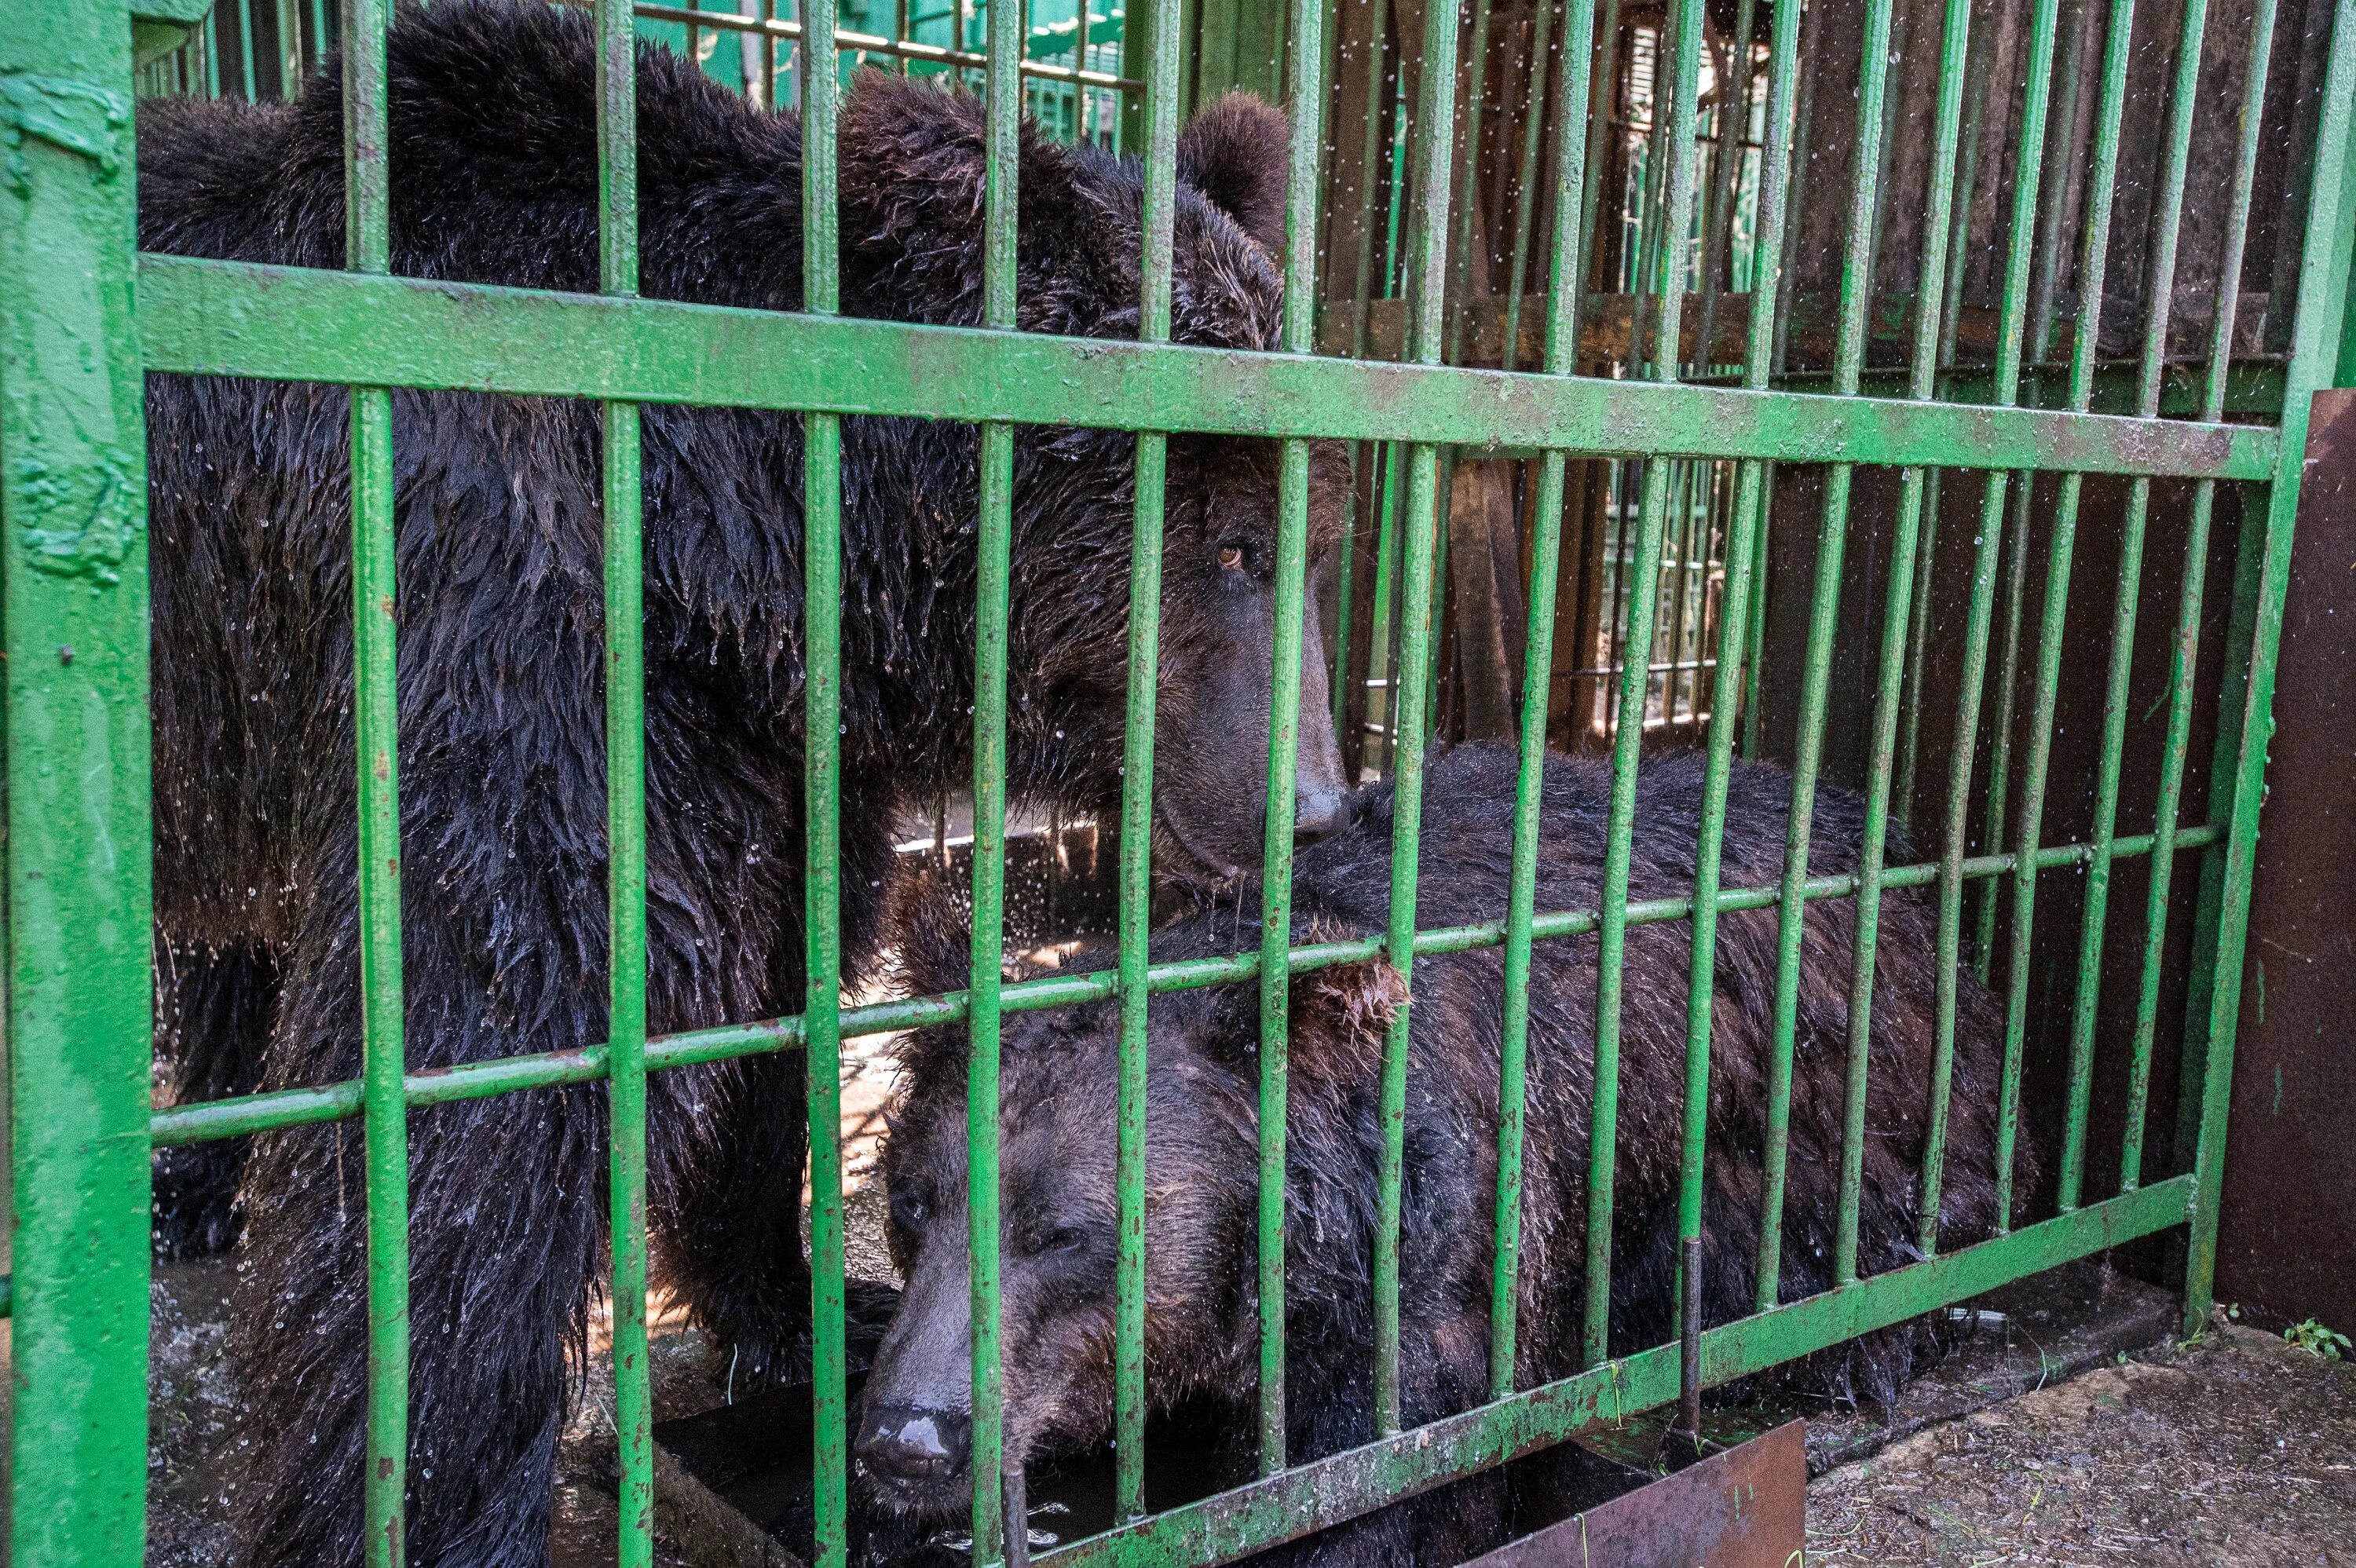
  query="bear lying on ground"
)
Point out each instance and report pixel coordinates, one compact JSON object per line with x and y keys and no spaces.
{"x":494,"y":168}
{"x":1058,"y":1095}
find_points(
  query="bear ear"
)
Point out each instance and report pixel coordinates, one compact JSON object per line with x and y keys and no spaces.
{"x":1339,"y":1017}
{"x":931,"y":923}
{"x":1233,"y":153}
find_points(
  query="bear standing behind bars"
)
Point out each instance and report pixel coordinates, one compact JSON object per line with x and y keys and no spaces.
{"x":1059,"y":1237}
{"x":503,"y":853}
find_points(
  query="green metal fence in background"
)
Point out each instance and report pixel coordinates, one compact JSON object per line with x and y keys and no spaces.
{"x":83,"y":317}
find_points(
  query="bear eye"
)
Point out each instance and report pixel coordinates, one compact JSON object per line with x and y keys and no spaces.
{"x":909,"y":1209}
{"x":1068,"y":1239}
{"x":1231,"y":558}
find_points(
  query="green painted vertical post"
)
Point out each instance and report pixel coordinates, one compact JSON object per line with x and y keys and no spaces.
{"x":625,"y":805}
{"x":1437,"y":113}
{"x":822,"y":808}
{"x":1159,"y":135}
{"x":2159,"y":293}
{"x":1002,"y":150}
{"x":1537,"y":665}
{"x":1816,"y":681}
{"x":1307,"y":55}
{"x":1744,"y":611}
{"x":74,"y":575}
{"x":2184,"y":654}
{"x":2091,"y":275}
{"x":375,"y":712}
{"x":2010,"y":329}
{"x":2315,"y":344}
{"x":1678,"y":105}
{"x":1896,"y":628}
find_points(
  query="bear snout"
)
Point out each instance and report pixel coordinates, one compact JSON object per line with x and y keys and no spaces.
{"x":914,"y":1446}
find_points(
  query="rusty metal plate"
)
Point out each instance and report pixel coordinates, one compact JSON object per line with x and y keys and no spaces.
{"x":1743,"y":1507}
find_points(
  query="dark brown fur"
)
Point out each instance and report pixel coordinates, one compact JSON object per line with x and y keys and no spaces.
{"x":1059,"y":1098}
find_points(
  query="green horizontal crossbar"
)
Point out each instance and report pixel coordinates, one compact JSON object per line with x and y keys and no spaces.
{"x":202,"y":317}
{"x":1314,"y":1497}
{"x":247,"y":1114}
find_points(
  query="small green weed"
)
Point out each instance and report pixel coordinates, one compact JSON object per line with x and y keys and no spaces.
{"x":2317,"y":1340}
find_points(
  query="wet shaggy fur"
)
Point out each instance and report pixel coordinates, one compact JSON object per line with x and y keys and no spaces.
{"x":502,"y":708}
{"x":1059,"y":1092}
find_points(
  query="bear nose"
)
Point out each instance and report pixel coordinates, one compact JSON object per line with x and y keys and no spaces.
{"x":1319,"y":813}
{"x":913,"y":1444}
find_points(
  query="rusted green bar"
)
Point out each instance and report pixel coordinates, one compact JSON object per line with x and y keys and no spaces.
{"x":2184,"y":654}
{"x":1815,"y":678}
{"x":1468,"y":180}
{"x":1739,"y":641}
{"x":1002,"y":148}
{"x":1437,"y":107}
{"x":1307,"y":54}
{"x":822,"y":808}
{"x":2316,"y":338}
{"x":375,"y":709}
{"x":2035,"y":104}
{"x":2159,"y":297}
{"x":1896,"y":628}
{"x":1538,"y":668}
{"x":1158,"y":133}
{"x":626,"y":809}
{"x":202,"y":317}
{"x":1576,"y":56}
{"x":1686,"y":48}
{"x":78,"y":844}
{"x":2092,"y":271}
{"x":244,"y":1115}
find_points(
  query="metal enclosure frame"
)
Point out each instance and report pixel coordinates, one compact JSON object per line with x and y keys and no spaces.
{"x":83,"y":317}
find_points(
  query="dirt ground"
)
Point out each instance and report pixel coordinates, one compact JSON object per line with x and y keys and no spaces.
{"x":2237,"y":1450}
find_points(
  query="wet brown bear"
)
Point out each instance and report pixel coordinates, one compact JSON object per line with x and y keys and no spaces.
{"x":493,"y":178}
{"x":1201,"y":1343}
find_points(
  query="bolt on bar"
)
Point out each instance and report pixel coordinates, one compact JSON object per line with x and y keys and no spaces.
{"x":1815,"y":678}
{"x":1437,"y":111}
{"x":1686,"y":47}
{"x":1307,"y":54}
{"x":625,"y":805}
{"x":1538,"y":665}
{"x":1954,"y":47}
{"x":375,"y":709}
{"x":1744,"y":534}
{"x":1002,"y":161}
{"x":2036,"y":101}
{"x":822,"y":809}
{"x":2185,"y":653}
{"x":1137,"y":779}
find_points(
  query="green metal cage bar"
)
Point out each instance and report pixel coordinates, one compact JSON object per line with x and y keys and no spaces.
{"x":74,"y":577}
{"x":1002,"y":165}
{"x":1815,"y":686}
{"x":2035,"y":104}
{"x":625,"y":819}
{"x":1571,"y":175}
{"x":376,"y":722}
{"x":2185,"y":650}
{"x":822,"y":808}
{"x":1158,"y":219}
